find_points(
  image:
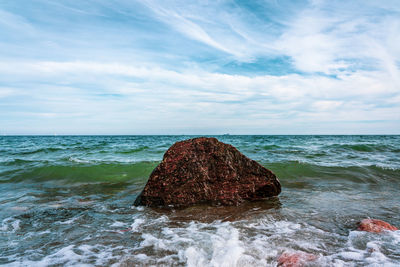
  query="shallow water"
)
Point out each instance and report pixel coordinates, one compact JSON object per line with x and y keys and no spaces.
{"x":67,"y":201}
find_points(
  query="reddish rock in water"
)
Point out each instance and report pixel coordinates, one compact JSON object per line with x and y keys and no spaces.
{"x":295,"y":259}
{"x":375,"y":226}
{"x":204,"y":170}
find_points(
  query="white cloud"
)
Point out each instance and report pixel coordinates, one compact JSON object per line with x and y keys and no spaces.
{"x":286,"y":87}
{"x":326,"y":105}
{"x":156,"y":94}
{"x":332,"y":39}
{"x":5,"y":92}
{"x":324,"y":37}
{"x":10,"y":21}
{"x":186,"y":26}
{"x":141,"y":69}
{"x":217,"y":24}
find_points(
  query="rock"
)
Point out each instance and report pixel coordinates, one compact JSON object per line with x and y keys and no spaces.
{"x":375,"y":226}
{"x":206,"y":171}
{"x":295,"y":259}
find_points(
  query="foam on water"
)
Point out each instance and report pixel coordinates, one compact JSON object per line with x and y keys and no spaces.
{"x":10,"y":225}
{"x":76,"y":160}
{"x":135,"y":225}
{"x":73,"y":256}
{"x":372,"y":249}
{"x":217,"y":243}
{"x":257,"y":241}
{"x":118,"y":224}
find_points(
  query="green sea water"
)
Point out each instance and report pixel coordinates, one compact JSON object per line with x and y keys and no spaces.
{"x":68,"y":201}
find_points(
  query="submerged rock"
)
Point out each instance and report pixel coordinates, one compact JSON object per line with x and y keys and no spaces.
{"x":375,"y":226}
{"x":204,"y":170}
{"x":295,"y":259}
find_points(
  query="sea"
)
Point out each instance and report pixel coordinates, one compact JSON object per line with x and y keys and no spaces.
{"x":68,"y":201}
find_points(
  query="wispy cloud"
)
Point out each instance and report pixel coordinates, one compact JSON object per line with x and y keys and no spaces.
{"x":334,"y":39}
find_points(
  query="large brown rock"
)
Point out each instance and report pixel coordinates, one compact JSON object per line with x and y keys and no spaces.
{"x":204,"y":170}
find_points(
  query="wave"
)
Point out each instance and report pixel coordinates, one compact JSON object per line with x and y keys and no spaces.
{"x":365,"y":147}
{"x":287,"y":172}
{"x":77,"y":173}
{"x":40,"y":150}
{"x":292,"y":171}
{"x":18,"y":162}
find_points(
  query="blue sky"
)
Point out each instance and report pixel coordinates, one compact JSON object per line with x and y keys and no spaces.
{"x":199,"y":67}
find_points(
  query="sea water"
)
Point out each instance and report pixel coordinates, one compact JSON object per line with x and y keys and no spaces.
{"x":68,"y":201}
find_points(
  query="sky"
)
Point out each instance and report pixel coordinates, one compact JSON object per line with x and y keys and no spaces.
{"x":199,"y":67}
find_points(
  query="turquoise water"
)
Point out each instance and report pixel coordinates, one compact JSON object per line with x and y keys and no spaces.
{"x":67,"y":201}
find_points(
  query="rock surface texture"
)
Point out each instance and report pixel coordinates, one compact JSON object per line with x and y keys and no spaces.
{"x":375,"y":226}
{"x":204,"y":170}
{"x":295,"y":259}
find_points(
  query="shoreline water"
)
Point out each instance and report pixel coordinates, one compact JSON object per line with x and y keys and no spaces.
{"x":68,"y":200}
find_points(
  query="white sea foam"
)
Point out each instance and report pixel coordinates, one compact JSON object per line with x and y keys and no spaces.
{"x":214,"y":244}
{"x":136,"y":224}
{"x":367,"y":249}
{"x":15,"y":225}
{"x":70,"y":221}
{"x":118,"y":224}
{"x":195,"y":257}
{"x":10,"y":224}
{"x":4,"y":225}
{"x":163,"y":241}
{"x":74,"y":256}
{"x":76,"y":160}
{"x":227,"y":249}
{"x":65,"y":256}
{"x":138,"y":208}
{"x":254,"y":243}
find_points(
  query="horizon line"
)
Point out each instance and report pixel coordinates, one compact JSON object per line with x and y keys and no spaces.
{"x":64,"y":135}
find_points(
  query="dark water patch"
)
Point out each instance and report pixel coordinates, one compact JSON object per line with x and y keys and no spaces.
{"x":19,"y":162}
{"x":40,"y":150}
{"x":41,"y":218}
{"x":134,"y":150}
{"x":371,"y":147}
{"x":208,"y":214}
{"x":315,"y":155}
{"x":263,"y":147}
{"x":270,"y":147}
{"x":91,"y":193}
